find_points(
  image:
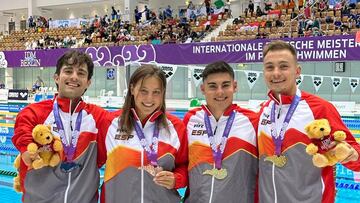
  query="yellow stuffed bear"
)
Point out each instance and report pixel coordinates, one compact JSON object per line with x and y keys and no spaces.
{"x":17,"y":178}
{"x":327,"y":150}
{"x":46,"y":145}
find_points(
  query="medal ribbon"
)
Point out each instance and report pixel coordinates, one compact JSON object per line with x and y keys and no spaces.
{"x":151,"y":150}
{"x":218,"y":152}
{"x":69,"y":148}
{"x":279,"y":139}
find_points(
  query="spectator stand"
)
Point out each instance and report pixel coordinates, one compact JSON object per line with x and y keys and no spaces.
{"x":285,"y":23}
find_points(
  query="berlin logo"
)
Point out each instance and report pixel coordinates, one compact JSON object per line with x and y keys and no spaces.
{"x":30,"y":59}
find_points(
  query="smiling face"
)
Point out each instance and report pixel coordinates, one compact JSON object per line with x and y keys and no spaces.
{"x":218,"y":89}
{"x":280,"y":72}
{"x":72,"y":81}
{"x":148,"y":96}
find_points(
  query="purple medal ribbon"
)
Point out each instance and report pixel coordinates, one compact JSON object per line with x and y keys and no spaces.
{"x":218,"y":152}
{"x":151,"y":150}
{"x":69,"y":148}
{"x":279,"y":139}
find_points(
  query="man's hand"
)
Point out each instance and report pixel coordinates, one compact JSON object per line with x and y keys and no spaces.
{"x":165,"y":179}
{"x":28,"y":158}
{"x":353,"y":156}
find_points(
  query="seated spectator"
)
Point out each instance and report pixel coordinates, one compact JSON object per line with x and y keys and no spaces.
{"x":337,"y":23}
{"x":153,"y":17}
{"x":338,"y":5}
{"x":155,"y":41}
{"x":322,"y":5}
{"x":308,"y":33}
{"x":316,"y":32}
{"x":301,"y":22}
{"x":88,"y":39}
{"x":307,"y":10}
{"x":28,"y":45}
{"x":357,"y":24}
{"x":52,"y":44}
{"x":316,"y":23}
{"x":72,"y":41}
{"x":96,"y":23}
{"x":284,"y":5}
{"x":33,"y":44}
{"x":300,"y":4}
{"x":261,"y":34}
{"x":277,"y":6}
{"x":241,"y":20}
{"x":84,"y":30}
{"x":300,"y":32}
{"x":291,"y":5}
{"x":59,"y":42}
{"x":345,"y":10}
{"x":293,"y":14}
{"x":278,"y":23}
{"x":352,"y":5}
{"x":267,"y":6}
{"x":41,"y":43}
{"x":308,"y":24}
{"x":345,"y":31}
{"x":350,"y":23}
{"x":236,"y":21}
{"x":329,"y":20}
{"x":268,"y":24}
{"x":192,"y":15}
{"x":102,"y":22}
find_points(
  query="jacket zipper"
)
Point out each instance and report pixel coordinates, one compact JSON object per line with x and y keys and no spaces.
{"x":142,"y":176}
{"x":273,"y":165}
{"x":70,"y":140}
{"x":273,"y":180}
{"x":213,"y":178}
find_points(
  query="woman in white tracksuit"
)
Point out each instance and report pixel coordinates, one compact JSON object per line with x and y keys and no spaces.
{"x":146,"y":147}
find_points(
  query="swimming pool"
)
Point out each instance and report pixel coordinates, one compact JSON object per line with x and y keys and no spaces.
{"x":7,"y":194}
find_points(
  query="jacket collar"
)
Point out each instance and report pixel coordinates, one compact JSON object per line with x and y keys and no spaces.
{"x":227,"y":111}
{"x":152,"y":117}
{"x":65,"y":104}
{"x":285,"y":99}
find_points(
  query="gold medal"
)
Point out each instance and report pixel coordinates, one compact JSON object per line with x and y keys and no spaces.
{"x":279,"y":161}
{"x":151,"y":169}
{"x":217,"y":173}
